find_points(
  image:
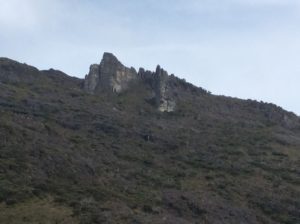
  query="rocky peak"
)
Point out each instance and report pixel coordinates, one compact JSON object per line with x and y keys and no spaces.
{"x":164,"y":91}
{"x":110,"y":58}
{"x":92,"y":79}
{"x":112,"y":76}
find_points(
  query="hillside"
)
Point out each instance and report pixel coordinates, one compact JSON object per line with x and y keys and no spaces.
{"x":123,"y":146}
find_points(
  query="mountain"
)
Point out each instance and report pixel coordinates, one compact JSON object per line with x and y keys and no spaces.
{"x":127,"y":146}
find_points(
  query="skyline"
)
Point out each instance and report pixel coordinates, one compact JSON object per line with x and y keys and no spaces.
{"x":239,"y":48}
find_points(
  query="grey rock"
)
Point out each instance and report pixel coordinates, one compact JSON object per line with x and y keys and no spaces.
{"x":163,"y":92}
{"x":164,"y":97}
{"x":92,"y":79}
{"x":110,"y":76}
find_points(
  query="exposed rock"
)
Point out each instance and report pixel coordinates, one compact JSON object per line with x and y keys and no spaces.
{"x":163,"y":92}
{"x":164,"y":97}
{"x":92,"y":79}
{"x":111,"y":75}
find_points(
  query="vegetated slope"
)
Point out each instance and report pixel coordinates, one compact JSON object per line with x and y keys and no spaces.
{"x":113,"y":158}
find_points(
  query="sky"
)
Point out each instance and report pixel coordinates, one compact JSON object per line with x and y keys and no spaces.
{"x":241,"y":48}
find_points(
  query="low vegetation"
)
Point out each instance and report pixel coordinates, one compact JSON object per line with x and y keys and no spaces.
{"x":71,"y":157}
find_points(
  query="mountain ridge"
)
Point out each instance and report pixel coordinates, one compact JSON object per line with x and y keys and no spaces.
{"x":141,"y":72}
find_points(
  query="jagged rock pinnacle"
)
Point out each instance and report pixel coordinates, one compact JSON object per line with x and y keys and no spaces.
{"x":112,"y":76}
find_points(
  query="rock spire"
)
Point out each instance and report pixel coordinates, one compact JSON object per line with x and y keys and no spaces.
{"x":112,"y":76}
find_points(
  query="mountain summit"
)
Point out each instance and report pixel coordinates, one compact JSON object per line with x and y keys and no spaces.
{"x":122,"y":146}
{"x":112,"y":76}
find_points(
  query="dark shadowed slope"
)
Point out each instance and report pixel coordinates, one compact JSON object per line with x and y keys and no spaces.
{"x":80,"y":155}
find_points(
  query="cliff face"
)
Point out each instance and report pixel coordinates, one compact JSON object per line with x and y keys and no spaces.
{"x":165,"y":97}
{"x":112,"y":76}
{"x":163,"y":91}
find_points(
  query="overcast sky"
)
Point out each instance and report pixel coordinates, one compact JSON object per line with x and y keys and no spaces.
{"x":241,"y":48}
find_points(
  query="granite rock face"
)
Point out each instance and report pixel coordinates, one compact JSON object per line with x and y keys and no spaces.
{"x":110,"y":75}
{"x":92,"y":79}
{"x":161,"y":85}
{"x":164,"y":95}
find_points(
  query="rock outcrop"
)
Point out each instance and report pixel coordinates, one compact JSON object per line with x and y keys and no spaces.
{"x":160,"y":83}
{"x":92,"y":79}
{"x":112,"y":76}
{"x":164,"y":91}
